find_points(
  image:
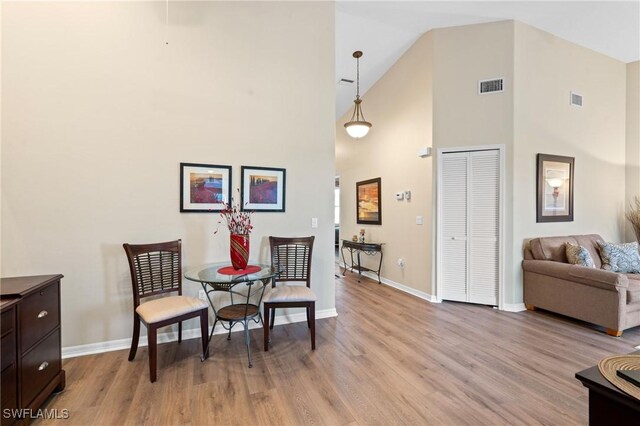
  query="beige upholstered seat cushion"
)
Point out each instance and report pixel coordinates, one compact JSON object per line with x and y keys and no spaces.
{"x":290,"y":293}
{"x":168,"y":307}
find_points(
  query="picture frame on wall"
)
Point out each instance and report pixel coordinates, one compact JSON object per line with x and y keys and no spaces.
{"x":204,"y":187}
{"x":369,"y":202}
{"x":263,"y":189}
{"x":554,"y":188}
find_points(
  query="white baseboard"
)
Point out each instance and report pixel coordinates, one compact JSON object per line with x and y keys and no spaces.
{"x":412,"y":291}
{"x":514,"y":307}
{"x":193,"y":333}
{"x":508,"y":307}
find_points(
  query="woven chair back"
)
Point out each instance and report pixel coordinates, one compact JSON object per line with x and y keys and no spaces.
{"x":155,"y":268}
{"x":292,"y":256}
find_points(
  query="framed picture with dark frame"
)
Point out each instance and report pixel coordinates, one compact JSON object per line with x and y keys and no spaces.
{"x":369,"y":202}
{"x":263,"y":189}
{"x":554,"y":188}
{"x":204,"y":187}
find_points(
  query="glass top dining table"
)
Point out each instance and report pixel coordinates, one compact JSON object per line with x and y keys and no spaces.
{"x":220,"y":277}
{"x":209,"y":274}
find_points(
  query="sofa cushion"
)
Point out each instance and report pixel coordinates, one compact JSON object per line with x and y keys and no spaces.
{"x":551,"y":248}
{"x":623,"y":258}
{"x":633,"y":291}
{"x":579,"y":255}
{"x":590,"y":242}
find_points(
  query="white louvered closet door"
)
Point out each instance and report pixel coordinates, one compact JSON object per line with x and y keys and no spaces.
{"x":455,"y":176}
{"x":470,"y":226}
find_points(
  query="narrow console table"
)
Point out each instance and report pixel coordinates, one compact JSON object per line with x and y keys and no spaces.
{"x":607,"y":404}
{"x":31,"y":351}
{"x":370,"y":249}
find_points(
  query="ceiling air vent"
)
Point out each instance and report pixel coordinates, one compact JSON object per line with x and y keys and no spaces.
{"x":495,"y":85}
{"x":576,"y":99}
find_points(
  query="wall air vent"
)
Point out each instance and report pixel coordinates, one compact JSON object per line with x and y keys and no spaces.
{"x":345,"y":81}
{"x":576,"y":99}
{"x":495,"y":85}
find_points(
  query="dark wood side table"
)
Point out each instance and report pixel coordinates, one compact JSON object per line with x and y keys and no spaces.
{"x":607,"y":404}
{"x":370,"y":249}
{"x":31,"y":345}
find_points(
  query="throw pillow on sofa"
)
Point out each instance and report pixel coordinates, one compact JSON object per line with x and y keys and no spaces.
{"x":579,"y":255}
{"x":623,"y":258}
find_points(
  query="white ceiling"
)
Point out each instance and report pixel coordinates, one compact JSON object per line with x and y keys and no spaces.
{"x":384,"y":30}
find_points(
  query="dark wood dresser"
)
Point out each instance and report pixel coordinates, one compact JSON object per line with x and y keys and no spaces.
{"x":31,"y":346}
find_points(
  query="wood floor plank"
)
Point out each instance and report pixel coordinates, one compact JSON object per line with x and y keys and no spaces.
{"x":388,"y":358}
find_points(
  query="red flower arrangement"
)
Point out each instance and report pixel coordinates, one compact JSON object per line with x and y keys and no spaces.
{"x":236,"y":220}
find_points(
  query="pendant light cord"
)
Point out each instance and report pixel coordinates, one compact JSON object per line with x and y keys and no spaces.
{"x":357,"y":78}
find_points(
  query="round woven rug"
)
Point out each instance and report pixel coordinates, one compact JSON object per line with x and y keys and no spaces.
{"x":609,"y":365}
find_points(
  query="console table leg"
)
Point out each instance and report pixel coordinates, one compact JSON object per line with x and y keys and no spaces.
{"x":380,"y":268}
{"x":344,"y":262}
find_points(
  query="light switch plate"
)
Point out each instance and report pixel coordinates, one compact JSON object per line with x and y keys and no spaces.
{"x":419,"y":220}
{"x":314,"y":222}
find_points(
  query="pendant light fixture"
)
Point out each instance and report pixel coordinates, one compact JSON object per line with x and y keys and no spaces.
{"x":357,"y":127}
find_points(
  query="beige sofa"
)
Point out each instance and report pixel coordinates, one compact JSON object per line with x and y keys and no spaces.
{"x":605,"y":298}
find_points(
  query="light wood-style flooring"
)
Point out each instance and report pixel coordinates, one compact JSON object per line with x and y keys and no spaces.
{"x":388,"y":358}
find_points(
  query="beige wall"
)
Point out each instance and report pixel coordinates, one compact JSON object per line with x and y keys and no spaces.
{"x":547,"y":69}
{"x":1,"y":102}
{"x":399,"y":107}
{"x":633,"y":139}
{"x":463,"y":56}
{"x":99,"y":112}
{"x":531,"y":116}
{"x":463,"y":118}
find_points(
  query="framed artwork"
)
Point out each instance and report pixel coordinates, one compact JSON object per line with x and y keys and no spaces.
{"x":369,"y":201}
{"x":204,"y":187}
{"x":555,"y":188}
{"x":263,"y":189}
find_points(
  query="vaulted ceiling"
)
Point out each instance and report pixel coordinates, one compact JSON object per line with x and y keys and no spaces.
{"x":384,"y":30}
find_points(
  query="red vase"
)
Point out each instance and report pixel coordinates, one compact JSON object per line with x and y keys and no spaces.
{"x":239,"y":250}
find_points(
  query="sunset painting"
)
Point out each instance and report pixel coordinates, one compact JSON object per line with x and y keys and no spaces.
{"x":369,"y":202}
{"x":205,"y":188}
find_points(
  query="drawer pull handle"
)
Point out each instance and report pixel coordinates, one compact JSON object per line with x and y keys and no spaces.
{"x":43,"y":366}
{"x":43,"y":314}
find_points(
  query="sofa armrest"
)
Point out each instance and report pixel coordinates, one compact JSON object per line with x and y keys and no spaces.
{"x":593,"y":277}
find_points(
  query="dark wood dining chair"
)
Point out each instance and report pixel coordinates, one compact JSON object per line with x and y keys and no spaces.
{"x":156,"y":269}
{"x":292,"y":257}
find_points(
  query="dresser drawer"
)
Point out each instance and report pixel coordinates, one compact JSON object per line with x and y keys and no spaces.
{"x":8,"y":342}
{"x":40,"y":366}
{"x":7,"y":321}
{"x":39,"y":314}
{"x":7,"y":350}
{"x":9,"y":393}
